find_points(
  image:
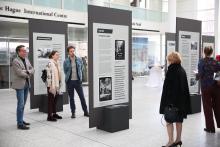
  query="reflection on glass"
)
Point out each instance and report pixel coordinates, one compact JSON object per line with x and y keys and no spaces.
{"x":145,"y":53}
{"x":4,"y":65}
{"x":139,"y":56}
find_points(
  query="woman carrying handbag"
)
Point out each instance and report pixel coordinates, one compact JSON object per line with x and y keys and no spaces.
{"x":175,"y":95}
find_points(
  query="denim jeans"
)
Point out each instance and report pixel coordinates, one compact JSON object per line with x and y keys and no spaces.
{"x":75,"y":84}
{"x":21,"y":97}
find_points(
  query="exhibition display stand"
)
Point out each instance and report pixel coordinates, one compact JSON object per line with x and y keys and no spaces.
{"x":115,"y":118}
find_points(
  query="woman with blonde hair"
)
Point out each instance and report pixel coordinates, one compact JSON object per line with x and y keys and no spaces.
{"x":176,"y":93}
{"x":53,"y":85}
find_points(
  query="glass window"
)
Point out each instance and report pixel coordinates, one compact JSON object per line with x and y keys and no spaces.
{"x":49,"y":3}
{"x":19,"y":1}
{"x":4,"y":65}
{"x":206,"y":14}
{"x":165,"y":6}
{"x":145,"y":53}
{"x":78,"y":5}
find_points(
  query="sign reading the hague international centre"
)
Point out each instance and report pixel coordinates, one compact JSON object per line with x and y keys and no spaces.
{"x":110,"y":64}
{"x":32,"y":11}
{"x":189,"y":50}
{"x":43,"y":45}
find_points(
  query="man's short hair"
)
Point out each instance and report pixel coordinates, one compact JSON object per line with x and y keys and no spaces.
{"x":174,"y":57}
{"x":70,"y":47}
{"x":18,"y":48}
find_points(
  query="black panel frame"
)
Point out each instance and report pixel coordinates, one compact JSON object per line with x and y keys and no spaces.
{"x":44,"y":26}
{"x":105,"y":15}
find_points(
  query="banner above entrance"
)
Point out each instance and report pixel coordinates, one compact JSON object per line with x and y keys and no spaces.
{"x":31,"y":11}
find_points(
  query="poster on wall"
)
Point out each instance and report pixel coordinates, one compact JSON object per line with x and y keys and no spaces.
{"x":189,"y":50}
{"x":110,"y":65}
{"x":43,"y":45}
{"x":171,"y":46}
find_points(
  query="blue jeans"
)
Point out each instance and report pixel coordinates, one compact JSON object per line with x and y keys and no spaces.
{"x":22,"y":97}
{"x":75,"y":84}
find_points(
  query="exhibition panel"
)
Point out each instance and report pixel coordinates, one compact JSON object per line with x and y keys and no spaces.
{"x":109,"y":62}
{"x":188,"y":44}
{"x":44,"y":37}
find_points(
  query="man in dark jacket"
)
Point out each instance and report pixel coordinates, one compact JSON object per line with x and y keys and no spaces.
{"x":73,"y":67}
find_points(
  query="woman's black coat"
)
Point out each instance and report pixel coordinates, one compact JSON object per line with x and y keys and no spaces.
{"x":176,"y":90}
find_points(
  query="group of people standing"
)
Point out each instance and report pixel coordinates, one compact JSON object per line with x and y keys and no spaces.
{"x":175,"y":88}
{"x":176,"y":92}
{"x":23,"y":70}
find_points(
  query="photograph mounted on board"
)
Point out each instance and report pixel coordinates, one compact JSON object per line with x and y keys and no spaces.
{"x":44,"y":52}
{"x":105,"y":88}
{"x":194,"y":45}
{"x":119,"y":49}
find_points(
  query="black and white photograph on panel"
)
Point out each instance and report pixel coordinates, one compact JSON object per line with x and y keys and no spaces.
{"x":105,"y":88}
{"x":44,"y":52}
{"x":194,"y":45}
{"x":119,"y":49}
{"x":193,"y":81}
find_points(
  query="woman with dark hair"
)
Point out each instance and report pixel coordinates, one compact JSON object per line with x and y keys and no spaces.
{"x":53,"y":85}
{"x":206,"y":68}
{"x":176,"y":93}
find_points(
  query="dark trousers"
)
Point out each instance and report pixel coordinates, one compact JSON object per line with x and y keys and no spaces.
{"x":216,"y":104}
{"x":52,"y":101}
{"x":75,"y":84}
{"x":211,"y":103}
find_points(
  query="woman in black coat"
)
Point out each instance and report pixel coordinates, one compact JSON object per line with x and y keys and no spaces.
{"x":175,"y":92}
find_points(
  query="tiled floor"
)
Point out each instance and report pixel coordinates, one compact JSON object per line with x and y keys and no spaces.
{"x":146,"y":129}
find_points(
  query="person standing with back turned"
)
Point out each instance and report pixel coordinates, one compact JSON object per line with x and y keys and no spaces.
{"x":175,"y":92}
{"x":206,"y":68}
{"x":21,"y":83}
{"x":73,"y":67}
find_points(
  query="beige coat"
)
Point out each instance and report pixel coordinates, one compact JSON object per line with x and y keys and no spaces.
{"x":19,"y":73}
{"x":53,"y":76}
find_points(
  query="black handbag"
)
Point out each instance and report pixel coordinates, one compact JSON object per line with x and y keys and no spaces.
{"x":171,"y":113}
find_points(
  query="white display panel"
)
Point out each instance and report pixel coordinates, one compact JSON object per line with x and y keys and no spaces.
{"x":43,"y":44}
{"x":110,"y":64}
{"x":189,"y":50}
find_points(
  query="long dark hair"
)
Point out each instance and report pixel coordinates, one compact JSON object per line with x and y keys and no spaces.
{"x":52,"y":53}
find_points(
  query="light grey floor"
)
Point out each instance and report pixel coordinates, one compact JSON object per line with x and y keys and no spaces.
{"x":146,"y":129}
